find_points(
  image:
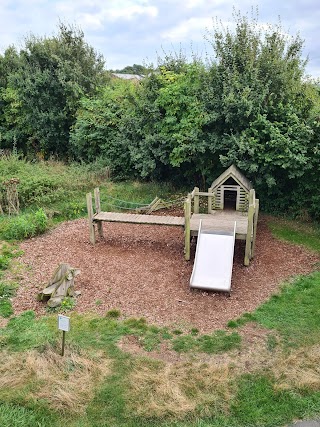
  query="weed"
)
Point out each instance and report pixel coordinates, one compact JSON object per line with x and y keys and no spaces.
{"x":67,"y":304}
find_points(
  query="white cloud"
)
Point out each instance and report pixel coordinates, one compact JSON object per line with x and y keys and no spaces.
{"x":92,"y":14}
{"x":192,"y":29}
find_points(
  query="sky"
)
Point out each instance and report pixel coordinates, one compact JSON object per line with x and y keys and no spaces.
{"x":130,"y":32}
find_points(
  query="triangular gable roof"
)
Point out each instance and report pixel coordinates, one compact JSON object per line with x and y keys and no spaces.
{"x":232,"y":172}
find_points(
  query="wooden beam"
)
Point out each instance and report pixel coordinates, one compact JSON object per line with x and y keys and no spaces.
{"x":196,"y":200}
{"x":98,"y":210}
{"x":250,"y":231}
{"x":90,"y":218}
{"x":187,"y":216}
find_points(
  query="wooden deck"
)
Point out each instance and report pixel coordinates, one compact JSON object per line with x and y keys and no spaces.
{"x":139,"y":218}
{"x":221,"y":221}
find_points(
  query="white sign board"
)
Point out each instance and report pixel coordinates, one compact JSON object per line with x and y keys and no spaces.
{"x":63,"y":323}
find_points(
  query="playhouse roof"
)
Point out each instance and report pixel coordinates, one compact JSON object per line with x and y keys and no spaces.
{"x":232,"y":172}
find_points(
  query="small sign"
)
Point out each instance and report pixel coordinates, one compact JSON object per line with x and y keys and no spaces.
{"x":63,"y":323}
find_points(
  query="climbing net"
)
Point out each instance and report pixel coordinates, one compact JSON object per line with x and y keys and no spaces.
{"x":156,"y":204}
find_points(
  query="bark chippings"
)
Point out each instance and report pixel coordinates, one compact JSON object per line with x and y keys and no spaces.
{"x":140,"y":270}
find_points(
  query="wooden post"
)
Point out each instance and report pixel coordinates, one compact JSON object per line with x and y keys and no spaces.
{"x":210,"y":201}
{"x":98,"y":210}
{"x":196,"y":200}
{"x":187,"y":216}
{"x":249,"y":237}
{"x":90,"y":218}
{"x":63,"y":342}
{"x":255,"y":225}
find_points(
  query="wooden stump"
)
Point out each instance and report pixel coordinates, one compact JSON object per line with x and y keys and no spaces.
{"x":60,"y":286}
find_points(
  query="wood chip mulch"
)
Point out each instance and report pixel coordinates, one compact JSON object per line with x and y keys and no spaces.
{"x":140,"y":270}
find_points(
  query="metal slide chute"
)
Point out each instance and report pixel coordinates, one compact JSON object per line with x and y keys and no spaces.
{"x":212,"y":269}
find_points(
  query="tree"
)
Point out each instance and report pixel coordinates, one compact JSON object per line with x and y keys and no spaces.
{"x":140,"y":70}
{"x":99,"y":129}
{"x":53,"y":75}
{"x":258,"y":105}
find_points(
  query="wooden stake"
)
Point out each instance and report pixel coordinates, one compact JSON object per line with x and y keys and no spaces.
{"x":187,"y":216}
{"x":255,"y":225}
{"x":196,"y":200}
{"x":98,"y":210}
{"x":63,"y":342}
{"x":90,"y":218}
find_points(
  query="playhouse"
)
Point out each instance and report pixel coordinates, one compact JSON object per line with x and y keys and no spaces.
{"x":231,"y":190}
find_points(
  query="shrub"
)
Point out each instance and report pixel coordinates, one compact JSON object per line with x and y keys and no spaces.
{"x":24,"y":226}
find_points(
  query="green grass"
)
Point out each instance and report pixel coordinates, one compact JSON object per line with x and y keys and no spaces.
{"x":305,"y":234}
{"x":26,"y":332}
{"x":7,"y":289}
{"x":217,"y":342}
{"x":294,"y":313}
{"x":18,"y":416}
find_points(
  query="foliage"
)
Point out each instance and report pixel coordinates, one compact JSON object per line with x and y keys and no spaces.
{"x":98,"y":131}
{"x":24,"y":226}
{"x":42,"y":92}
{"x":133,"y":69}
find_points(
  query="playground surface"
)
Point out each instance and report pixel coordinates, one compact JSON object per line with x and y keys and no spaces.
{"x":145,"y":274}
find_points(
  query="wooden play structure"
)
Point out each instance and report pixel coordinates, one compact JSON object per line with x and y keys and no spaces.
{"x":230,"y":200}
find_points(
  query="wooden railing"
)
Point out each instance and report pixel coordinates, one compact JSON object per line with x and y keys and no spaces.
{"x":192,"y":204}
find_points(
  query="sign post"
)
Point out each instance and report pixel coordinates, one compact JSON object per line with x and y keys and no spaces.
{"x":64,"y":326}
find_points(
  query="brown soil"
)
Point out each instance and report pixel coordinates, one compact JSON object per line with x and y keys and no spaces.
{"x":140,"y":270}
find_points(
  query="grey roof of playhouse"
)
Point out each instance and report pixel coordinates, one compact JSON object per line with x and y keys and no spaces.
{"x":232,"y":172}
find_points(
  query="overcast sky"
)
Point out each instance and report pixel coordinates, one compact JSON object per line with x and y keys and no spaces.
{"x":134,"y":31}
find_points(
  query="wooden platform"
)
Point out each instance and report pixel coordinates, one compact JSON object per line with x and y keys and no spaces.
{"x":221,"y":221}
{"x":139,"y":218}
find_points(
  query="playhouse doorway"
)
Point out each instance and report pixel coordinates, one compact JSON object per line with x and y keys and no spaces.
{"x":230,"y":200}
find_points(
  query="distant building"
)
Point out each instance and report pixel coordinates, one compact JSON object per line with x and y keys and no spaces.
{"x":136,"y":77}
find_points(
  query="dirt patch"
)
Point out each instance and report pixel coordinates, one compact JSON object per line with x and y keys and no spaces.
{"x":131,"y":344}
{"x":141,"y":270}
{"x":3,"y":322}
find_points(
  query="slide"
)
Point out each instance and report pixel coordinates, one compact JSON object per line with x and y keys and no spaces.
{"x":212,"y":269}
